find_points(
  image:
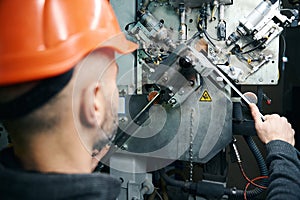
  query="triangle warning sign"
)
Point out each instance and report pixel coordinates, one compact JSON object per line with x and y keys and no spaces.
{"x":205,"y":97}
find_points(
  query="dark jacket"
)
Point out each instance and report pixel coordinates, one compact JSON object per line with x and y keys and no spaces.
{"x":284,"y":171}
{"x":16,"y":183}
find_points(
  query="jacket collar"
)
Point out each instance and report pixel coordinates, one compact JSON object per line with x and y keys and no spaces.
{"x":19,"y":184}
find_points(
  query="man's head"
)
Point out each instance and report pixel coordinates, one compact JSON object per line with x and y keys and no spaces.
{"x":58,"y":73}
{"x":95,"y":98}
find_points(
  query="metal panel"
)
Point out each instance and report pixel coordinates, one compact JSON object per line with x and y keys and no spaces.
{"x":169,"y":133}
{"x":125,"y":10}
{"x":268,"y":73}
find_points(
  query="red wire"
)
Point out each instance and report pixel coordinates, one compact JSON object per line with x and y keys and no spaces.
{"x":251,"y":182}
{"x":246,"y":177}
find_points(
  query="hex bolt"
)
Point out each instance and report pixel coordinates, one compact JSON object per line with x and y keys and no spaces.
{"x":172,"y":101}
{"x":165,"y":79}
{"x":124,"y":147}
{"x":123,"y":119}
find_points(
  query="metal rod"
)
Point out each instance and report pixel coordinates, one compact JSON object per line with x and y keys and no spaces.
{"x":204,"y":61}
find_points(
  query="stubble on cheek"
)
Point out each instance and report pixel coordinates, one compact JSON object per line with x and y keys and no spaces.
{"x":107,"y":130}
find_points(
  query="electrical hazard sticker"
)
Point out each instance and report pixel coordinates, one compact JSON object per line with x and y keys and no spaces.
{"x":205,"y":97}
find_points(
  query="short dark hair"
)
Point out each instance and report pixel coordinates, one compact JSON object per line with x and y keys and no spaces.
{"x":34,"y":98}
{"x":34,"y":112}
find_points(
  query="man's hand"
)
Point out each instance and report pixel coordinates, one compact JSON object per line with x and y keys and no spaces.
{"x":273,"y":127}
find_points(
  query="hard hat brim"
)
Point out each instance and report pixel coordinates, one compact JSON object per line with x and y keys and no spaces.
{"x":120,"y":44}
{"x":46,"y":64}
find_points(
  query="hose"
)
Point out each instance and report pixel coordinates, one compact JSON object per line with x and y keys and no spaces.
{"x":173,"y":182}
{"x":203,"y":188}
{"x":239,"y":194}
{"x":258,"y":156}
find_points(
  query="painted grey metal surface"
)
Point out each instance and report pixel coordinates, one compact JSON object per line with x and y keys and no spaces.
{"x":124,"y":167}
{"x":158,"y":26}
{"x":166,"y":134}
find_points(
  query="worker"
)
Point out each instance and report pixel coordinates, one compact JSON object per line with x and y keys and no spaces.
{"x":282,"y":158}
{"x":58,"y":97}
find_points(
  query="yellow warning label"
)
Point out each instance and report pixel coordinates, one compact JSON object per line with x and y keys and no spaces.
{"x":205,"y":97}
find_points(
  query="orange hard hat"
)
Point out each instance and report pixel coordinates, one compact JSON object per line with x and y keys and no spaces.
{"x":45,"y":38}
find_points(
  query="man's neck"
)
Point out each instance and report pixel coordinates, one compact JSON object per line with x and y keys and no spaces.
{"x":55,"y":152}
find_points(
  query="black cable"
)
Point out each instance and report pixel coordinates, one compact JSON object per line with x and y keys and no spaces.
{"x":249,"y":43}
{"x":205,"y":33}
{"x":127,"y":25}
{"x":201,"y":188}
{"x":283,"y":51}
{"x":284,"y":45}
{"x":173,"y":182}
{"x":212,"y":37}
{"x":202,"y":30}
{"x":257,"y":47}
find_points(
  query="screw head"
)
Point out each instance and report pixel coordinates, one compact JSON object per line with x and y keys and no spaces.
{"x":124,"y":147}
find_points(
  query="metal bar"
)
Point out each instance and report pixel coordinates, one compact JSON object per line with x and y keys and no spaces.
{"x":205,"y":62}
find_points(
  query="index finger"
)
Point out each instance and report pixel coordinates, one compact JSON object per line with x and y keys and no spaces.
{"x":255,"y":113}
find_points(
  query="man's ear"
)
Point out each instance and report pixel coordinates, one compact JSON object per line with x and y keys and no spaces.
{"x":92,"y":106}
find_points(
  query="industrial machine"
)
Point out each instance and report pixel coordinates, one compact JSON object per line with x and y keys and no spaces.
{"x":180,"y":104}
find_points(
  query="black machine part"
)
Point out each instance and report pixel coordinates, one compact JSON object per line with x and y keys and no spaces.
{"x":217,"y":190}
{"x":294,"y":2}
